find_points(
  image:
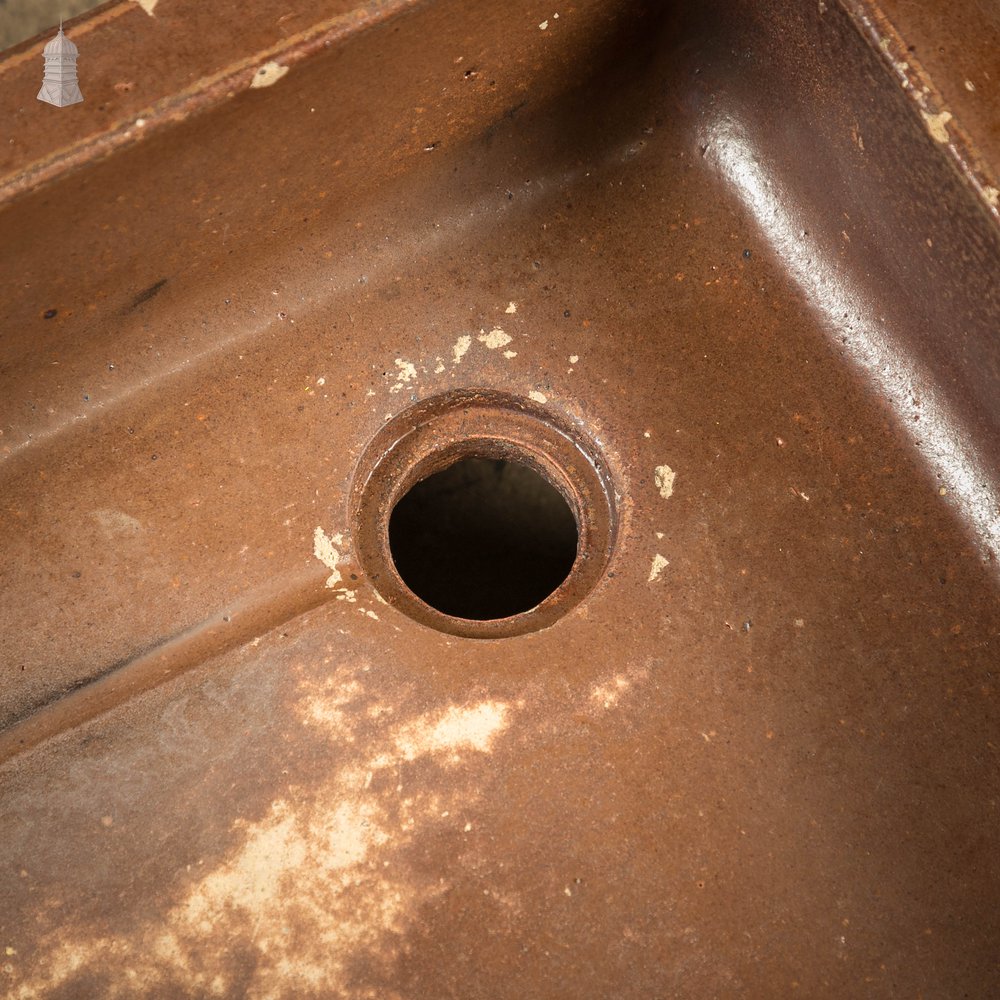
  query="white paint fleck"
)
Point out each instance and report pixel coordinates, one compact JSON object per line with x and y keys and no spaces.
{"x":664,"y":477}
{"x":543,"y":25}
{"x":660,"y":563}
{"x":645,"y":434}
{"x":461,"y":346}
{"x":369,"y":614}
{"x":495,"y":338}
{"x":936,"y":125}
{"x":573,"y":358}
{"x":659,"y":534}
{"x":970,"y":86}
{"x":992,"y":196}
{"x":268,"y":74}
{"x":407,"y":372}
{"x":511,"y":308}
{"x":439,"y":367}
{"x":800,"y":623}
{"x":538,"y":397}
{"x":326,"y":550}
{"x":510,"y":355}
{"x":147,"y":5}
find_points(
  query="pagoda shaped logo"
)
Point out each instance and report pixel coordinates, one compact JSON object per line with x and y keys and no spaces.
{"x":59,"y":86}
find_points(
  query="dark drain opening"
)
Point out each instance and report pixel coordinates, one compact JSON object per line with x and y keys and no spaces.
{"x":483,"y":539}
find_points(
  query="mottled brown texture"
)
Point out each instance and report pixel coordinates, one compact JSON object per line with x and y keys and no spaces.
{"x":757,"y":759}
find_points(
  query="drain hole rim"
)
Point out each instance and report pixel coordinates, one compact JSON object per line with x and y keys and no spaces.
{"x":442,"y":430}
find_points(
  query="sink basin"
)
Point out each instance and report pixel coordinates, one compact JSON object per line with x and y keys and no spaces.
{"x":718,"y":280}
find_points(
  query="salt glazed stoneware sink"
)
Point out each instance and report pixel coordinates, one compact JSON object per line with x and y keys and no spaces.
{"x":501,"y":500}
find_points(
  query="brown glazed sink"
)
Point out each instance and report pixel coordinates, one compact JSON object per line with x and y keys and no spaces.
{"x":704,"y":299}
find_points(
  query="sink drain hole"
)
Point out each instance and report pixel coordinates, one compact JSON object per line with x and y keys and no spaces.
{"x":482,"y":515}
{"x":483,"y":539}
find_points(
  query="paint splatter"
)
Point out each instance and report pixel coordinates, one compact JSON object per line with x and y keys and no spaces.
{"x":407,"y":372}
{"x":538,"y":397}
{"x":495,"y":338}
{"x":664,"y":477}
{"x":660,"y":563}
{"x":270,"y":73}
{"x":937,"y":125}
{"x":459,"y":350}
{"x":326,"y":550}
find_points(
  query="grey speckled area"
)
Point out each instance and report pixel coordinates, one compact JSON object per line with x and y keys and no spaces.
{"x":20,"y":19}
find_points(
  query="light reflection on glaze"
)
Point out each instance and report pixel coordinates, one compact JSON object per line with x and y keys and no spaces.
{"x":940,"y":435}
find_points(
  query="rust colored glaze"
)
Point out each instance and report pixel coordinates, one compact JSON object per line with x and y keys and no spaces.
{"x":715,"y":248}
